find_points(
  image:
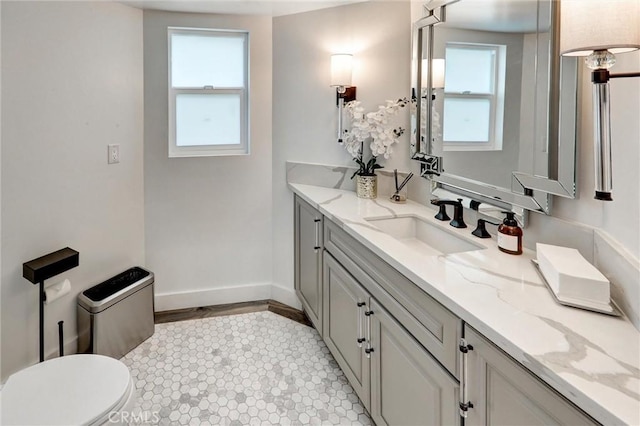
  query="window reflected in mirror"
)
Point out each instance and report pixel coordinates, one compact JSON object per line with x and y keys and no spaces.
{"x":473,"y":109}
{"x":495,"y":104}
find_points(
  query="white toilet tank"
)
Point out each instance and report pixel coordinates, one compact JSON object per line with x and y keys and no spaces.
{"x":70,"y":390}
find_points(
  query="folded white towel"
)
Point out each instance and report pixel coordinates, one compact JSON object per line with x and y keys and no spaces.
{"x":572,"y":278}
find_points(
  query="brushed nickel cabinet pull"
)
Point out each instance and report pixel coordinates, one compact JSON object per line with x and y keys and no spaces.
{"x":317,"y":242}
{"x":464,"y":402}
{"x":360,"y":339}
{"x":368,"y":349}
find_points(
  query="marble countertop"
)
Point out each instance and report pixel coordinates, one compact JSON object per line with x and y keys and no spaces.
{"x":591,"y":359}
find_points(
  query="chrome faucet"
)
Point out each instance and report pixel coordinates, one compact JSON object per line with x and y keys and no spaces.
{"x":458,"y":219}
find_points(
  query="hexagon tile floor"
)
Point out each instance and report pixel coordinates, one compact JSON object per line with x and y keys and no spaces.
{"x":250,"y":369}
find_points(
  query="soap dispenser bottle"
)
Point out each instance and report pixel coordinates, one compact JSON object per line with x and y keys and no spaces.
{"x":510,"y":235}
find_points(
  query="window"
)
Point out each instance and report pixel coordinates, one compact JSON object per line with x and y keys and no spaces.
{"x":474,"y":97}
{"x":208,"y":92}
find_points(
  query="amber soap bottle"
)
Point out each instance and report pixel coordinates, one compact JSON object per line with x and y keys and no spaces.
{"x":510,"y":235}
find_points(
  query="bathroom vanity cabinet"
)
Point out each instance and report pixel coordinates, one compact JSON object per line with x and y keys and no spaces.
{"x":372,"y":335}
{"x":397,"y":380}
{"x":308,"y":260}
{"x":401,"y":350}
{"x":504,"y":393}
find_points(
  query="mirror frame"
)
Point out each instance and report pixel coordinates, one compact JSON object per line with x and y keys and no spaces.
{"x":528,"y":191}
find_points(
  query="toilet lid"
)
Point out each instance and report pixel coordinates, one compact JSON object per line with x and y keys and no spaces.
{"x":71,"y":390}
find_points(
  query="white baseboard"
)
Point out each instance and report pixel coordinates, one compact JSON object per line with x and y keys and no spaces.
{"x":285,"y":295}
{"x":213,"y":296}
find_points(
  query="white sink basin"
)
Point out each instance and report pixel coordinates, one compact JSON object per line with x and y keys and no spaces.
{"x":422,"y":236}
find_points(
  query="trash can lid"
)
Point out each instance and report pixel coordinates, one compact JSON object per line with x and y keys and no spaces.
{"x":101,"y":296}
{"x":113,"y":285}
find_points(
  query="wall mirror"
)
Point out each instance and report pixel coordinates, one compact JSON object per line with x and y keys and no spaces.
{"x":495,"y":111}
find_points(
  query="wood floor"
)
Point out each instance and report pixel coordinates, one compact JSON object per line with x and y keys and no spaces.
{"x":233,"y":309}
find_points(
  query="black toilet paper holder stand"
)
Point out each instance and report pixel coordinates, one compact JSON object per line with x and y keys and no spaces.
{"x":42,"y":268}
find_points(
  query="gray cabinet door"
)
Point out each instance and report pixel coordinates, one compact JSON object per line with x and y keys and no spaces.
{"x":505,"y":393}
{"x":344,"y":325}
{"x":308,"y":260}
{"x":408,"y":387}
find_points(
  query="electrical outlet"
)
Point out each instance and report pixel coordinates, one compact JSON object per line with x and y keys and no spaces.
{"x":114,"y":154}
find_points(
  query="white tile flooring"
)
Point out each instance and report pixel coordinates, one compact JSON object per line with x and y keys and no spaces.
{"x":257,"y":368}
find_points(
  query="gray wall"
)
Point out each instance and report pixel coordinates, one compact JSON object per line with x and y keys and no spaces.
{"x":207,"y":220}
{"x":304,"y":109}
{"x":71,"y":84}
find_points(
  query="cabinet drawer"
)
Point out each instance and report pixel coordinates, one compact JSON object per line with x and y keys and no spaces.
{"x":431,"y":324}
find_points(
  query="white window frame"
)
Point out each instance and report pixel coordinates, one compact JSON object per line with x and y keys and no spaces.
{"x":495,"y":98}
{"x":241,"y":148}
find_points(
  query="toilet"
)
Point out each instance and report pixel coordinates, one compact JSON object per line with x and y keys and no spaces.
{"x":70,"y":390}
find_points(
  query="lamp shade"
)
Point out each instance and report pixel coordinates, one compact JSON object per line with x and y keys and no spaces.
{"x":588,"y":25}
{"x":341,"y":69}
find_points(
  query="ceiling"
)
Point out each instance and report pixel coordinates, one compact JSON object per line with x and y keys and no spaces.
{"x":237,"y":7}
{"x":512,"y":16}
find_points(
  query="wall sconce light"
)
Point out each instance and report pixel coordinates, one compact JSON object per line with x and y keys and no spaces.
{"x":341,"y":70}
{"x":437,"y":69}
{"x":588,"y":30}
